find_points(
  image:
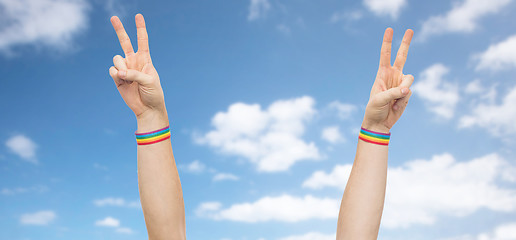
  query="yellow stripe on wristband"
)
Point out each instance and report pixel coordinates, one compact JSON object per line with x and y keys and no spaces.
{"x":153,"y":139}
{"x":373,"y":139}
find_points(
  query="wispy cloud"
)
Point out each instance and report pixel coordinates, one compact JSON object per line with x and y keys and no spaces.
{"x":19,"y":190}
{"x":38,"y":218}
{"x":195,"y":167}
{"x":108,"y":222}
{"x":311,"y":236}
{"x":225,"y":176}
{"x":116,"y":202}
{"x":24,"y":147}
{"x":462,"y":18}
{"x":440,"y":96}
{"x":52,"y":23}
{"x":420,"y":191}
{"x":498,"y":119}
{"x":111,"y":222}
{"x":343,"y":110}
{"x":284,"y":208}
{"x":498,"y":56}
{"x":332,"y":134}
{"x":506,"y":231}
{"x":391,"y":8}
{"x":258,"y":9}
{"x":346,"y":16}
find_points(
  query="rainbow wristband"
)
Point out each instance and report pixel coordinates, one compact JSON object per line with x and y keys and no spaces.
{"x":374,"y":137}
{"x":153,"y":137}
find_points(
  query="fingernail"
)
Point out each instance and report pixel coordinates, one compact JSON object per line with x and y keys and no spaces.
{"x":122,"y":74}
{"x":404,"y":90}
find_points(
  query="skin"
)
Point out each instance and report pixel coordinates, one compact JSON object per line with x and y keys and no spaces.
{"x":139,"y":85}
{"x":160,"y":188}
{"x":362,"y":203}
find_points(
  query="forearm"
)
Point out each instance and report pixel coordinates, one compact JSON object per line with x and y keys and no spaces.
{"x":363,"y":199}
{"x":158,"y":180}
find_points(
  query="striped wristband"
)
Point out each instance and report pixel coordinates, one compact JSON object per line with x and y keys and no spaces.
{"x":153,"y":137}
{"x":374,"y":137}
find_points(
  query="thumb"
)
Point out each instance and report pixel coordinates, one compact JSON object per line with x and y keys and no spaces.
{"x":385,"y":97}
{"x":135,"y":76}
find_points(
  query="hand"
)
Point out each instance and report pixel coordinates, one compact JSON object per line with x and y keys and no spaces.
{"x":390,"y":92}
{"x":135,"y":77}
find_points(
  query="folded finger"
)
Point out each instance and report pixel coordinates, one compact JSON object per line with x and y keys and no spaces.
{"x":135,"y":76}
{"x":113,"y":72}
{"x":400,"y":104}
{"x":407,"y":80}
{"x":119,"y":62}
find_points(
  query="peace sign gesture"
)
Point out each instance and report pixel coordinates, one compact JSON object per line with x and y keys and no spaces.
{"x":390,"y":92}
{"x":135,"y":77}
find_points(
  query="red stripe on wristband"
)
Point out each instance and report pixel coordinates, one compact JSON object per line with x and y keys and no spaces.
{"x":159,"y":140}
{"x":365,"y":140}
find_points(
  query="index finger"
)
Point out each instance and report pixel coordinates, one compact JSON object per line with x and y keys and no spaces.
{"x":385,"y":55}
{"x":125,"y":42}
{"x":401,"y":57}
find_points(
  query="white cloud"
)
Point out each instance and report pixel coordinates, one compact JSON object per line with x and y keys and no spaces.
{"x":332,"y":134}
{"x":337,"y":178}
{"x":440,"y":96}
{"x":225,"y":176}
{"x":422,"y":190}
{"x":390,"y":8}
{"x":118,"y":202}
{"x":498,"y":119}
{"x":311,"y":236}
{"x":108,"y":222}
{"x":461,"y":18}
{"x":23,"y":147}
{"x":269,"y":138}
{"x":52,"y":23}
{"x":498,"y":56}
{"x":505,"y":231}
{"x":474,"y":87}
{"x":284,"y":208}
{"x":258,"y":9}
{"x":344,"y":110}
{"x":195,"y":167}
{"x":115,"y":7}
{"x":38,"y":218}
{"x":480,"y":93}
{"x":124,"y":230}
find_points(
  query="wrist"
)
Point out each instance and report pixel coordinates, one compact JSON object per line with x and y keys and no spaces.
{"x":151,"y":120}
{"x":377,"y":127}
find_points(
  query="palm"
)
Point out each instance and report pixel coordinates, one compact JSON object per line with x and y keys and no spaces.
{"x":137,"y":96}
{"x":389,"y":77}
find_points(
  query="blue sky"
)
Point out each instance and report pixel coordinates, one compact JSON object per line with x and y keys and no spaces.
{"x":264,"y":98}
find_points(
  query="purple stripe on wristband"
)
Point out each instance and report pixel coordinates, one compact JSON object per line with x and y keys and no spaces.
{"x":385,"y":134}
{"x":152,"y":131}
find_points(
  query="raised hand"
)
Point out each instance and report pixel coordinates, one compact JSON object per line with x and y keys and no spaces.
{"x":390,"y":92}
{"x":135,"y":77}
